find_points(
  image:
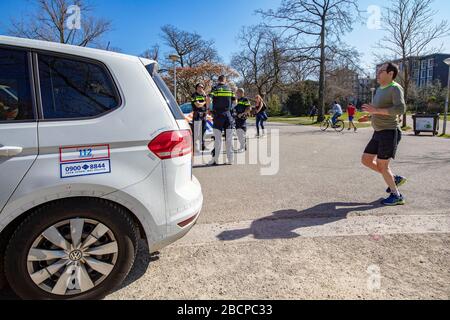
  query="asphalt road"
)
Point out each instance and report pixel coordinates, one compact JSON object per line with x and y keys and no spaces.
{"x":314,"y":230}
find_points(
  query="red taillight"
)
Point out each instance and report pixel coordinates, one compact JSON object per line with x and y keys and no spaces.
{"x":172,"y":144}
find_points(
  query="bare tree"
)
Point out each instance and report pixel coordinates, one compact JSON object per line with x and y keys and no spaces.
{"x":51,"y":22}
{"x":314,"y":29}
{"x":341,"y":84}
{"x":205,"y":73}
{"x":192,"y":49}
{"x":410,"y":30}
{"x":262,"y":63}
{"x":152,"y":53}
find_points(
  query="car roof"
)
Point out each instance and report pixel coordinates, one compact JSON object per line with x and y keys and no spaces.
{"x":62,"y":48}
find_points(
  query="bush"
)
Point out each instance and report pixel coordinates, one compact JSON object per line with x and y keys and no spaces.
{"x":298,"y":105}
{"x":274,"y":106}
{"x":430,"y":98}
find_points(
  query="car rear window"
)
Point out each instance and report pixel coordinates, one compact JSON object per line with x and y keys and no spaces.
{"x":73,"y":89}
{"x":15,"y":88}
{"x":168,"y":96}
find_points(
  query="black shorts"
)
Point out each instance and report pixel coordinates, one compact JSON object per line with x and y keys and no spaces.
{"x":384,"y":144}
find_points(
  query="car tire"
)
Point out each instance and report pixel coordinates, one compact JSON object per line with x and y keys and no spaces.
{"x":37,"y":233}
{"x":2,"y":276}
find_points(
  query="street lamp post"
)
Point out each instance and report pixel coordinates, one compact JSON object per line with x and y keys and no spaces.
{"x":175,"y":58}
{"x":447,"y":62}
{"x":373,"y":91}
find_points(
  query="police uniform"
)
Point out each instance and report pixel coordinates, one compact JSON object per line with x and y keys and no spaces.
{"x":200,"y":115}
{"x":239,"y":116}
{"x":222,"y":97}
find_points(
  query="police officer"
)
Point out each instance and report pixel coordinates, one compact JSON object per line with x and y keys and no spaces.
{"x":198,"y":101}
{"x":241,"y":113}
{"x":222,"y":97}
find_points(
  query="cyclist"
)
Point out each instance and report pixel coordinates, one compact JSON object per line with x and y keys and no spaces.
{"x":337,"y":112}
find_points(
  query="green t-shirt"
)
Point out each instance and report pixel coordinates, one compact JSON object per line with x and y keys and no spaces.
{"x":393,"y":99}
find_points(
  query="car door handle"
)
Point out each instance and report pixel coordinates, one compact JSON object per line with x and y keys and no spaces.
{"x":10,"y":151}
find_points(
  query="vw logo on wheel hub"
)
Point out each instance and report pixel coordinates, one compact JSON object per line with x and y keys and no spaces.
{"x":76,"y":255}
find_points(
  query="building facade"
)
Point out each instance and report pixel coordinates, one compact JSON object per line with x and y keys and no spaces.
{"x":347,"y":85}
{"x":426,"y":70}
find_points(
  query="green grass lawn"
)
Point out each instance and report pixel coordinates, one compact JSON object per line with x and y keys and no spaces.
{"x":306,"y":121}
{"x":292,"y":120}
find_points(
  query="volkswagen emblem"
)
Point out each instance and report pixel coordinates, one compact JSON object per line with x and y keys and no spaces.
{"x":76,"y":255}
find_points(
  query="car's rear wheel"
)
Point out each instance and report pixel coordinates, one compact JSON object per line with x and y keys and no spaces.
{"x":72,"y":249}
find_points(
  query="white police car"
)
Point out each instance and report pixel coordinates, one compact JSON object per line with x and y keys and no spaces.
{"x":95,"y":155}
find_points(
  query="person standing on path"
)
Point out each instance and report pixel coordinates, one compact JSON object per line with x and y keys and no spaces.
{"x":242,"y":111}
{"x":198,"y":102}
{"x":222,"y":97}
{"x":261,"y":116}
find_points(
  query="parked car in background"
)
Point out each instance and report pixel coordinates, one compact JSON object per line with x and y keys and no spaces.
{"x":186,"y":108}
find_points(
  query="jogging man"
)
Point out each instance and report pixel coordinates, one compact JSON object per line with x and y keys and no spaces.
{"x":388,"y":105}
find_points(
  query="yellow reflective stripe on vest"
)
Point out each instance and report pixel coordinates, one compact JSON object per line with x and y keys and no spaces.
{"x":223,"y":94}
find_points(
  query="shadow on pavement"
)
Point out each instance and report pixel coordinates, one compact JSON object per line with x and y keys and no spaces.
{"x":432,"y":158}
{"x":282,"y":224}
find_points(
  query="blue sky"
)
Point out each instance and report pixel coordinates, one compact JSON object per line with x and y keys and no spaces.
{"x":137,"y":22}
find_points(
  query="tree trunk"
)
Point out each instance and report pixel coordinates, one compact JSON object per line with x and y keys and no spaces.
{"x":406,"y":88}
{"x":321,"y":117}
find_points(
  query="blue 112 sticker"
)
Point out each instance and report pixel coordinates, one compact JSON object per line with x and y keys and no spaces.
{"x":85,"y":153}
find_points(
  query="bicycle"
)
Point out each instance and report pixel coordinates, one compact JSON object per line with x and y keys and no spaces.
{"x":339,"y":126}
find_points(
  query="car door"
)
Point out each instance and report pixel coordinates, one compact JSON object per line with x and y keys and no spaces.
{"x":18,"y":127}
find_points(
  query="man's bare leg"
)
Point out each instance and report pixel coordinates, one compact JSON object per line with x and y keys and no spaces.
{"x":369,"y":160}
{"x":385,"y":170}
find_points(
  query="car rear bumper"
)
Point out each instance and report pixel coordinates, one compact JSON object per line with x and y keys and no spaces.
{"x":178,"y":227}
{"x":170,"y":239}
